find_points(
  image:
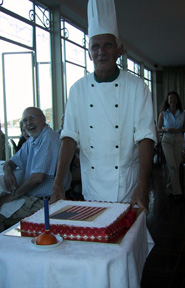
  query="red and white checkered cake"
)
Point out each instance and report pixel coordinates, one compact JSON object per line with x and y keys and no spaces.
{"x":76,"y":220}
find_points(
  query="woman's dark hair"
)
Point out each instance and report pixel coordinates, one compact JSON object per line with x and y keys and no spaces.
{"x":165,"y":104}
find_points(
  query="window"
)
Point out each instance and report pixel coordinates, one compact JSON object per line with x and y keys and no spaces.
{"x":25,"y":64}
{"x":20,"y":7}
{"x":16,"y":30}
{"x":148,"y":78}
{"x":75,"y":55}
{"x":133,"y":67}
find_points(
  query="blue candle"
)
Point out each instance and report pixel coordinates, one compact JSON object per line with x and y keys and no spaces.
{"x":46,"y":214}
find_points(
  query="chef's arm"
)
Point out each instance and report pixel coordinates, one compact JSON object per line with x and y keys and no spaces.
{"x":141,"y":194}
{"x":66,"y":153}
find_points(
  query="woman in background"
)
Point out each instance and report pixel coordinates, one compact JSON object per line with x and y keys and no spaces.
{"x":172,"y":124}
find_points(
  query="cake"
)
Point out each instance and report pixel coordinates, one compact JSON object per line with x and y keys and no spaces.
{"x":81,"y":220}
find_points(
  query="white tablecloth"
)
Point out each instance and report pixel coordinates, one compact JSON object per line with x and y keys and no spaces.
{"x":76,"y":264}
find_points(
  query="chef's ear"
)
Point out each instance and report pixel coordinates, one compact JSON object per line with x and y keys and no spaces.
{"x":90,"y":55}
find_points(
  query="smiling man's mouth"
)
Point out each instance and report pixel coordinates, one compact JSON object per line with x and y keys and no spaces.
{"x":30,"y":128}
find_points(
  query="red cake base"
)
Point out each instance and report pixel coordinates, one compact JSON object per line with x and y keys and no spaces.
{"x":103,"y":234}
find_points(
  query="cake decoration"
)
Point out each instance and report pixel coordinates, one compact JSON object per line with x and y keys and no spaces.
{"x":46,"y":238}
{"x":81,"y":213}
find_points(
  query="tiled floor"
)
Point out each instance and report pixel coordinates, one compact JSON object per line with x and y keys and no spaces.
{"x":165,"y":266}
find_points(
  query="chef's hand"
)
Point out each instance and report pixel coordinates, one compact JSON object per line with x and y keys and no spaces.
{"x":10,"y":180}
{"x":58,"y":193}
{"x":141,"y":197}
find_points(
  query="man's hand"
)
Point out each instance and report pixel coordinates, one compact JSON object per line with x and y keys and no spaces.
{"x":58,"y":193}
{"x":10,"y":180}
{"x":141,"y":197}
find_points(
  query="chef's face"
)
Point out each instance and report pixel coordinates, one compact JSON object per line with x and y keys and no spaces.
{"x":33,"y":121}
{"x":104,"y":52}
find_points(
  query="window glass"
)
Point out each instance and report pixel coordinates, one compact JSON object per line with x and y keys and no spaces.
{"x":130,"y":65}
{"x":20,"y":7}
{"x":74,"y":34}
{"x":133,"y":67}
{"x":45,"y":91}
{"x":90,"y":65}
{"x":8,"y":47}
{"x":75,"y":54}
{"x":137,"y":68}
{"x":148,"y":78}
{"x":147,"y":74}
{"x":43,"y":45}
{"x":44,"y":73}
{"x":15,"y":29}
{"x":18,"y":79}
{"x":73,"y":73}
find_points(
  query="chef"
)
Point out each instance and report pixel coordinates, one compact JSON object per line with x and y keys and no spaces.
{"x":109,"y":114}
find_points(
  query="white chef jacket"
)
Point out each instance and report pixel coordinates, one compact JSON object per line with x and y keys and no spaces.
{"x":108,"y":120}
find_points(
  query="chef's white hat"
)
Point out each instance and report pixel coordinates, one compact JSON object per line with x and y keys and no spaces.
{"x":102,"y":18}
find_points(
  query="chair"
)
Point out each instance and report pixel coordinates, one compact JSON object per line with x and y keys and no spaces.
{"x":14,"y":145}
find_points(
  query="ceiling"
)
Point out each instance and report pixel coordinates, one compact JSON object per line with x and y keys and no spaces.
{"x":151,"y":31}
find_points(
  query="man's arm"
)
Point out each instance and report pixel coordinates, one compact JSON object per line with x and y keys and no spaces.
{"x":66,"y":153}
{"x":33,"y":180}
{"x":141,"y":194}
{"x":9,"y":177}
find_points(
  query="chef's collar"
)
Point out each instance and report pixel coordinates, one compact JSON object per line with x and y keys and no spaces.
{"x":110,"y":78}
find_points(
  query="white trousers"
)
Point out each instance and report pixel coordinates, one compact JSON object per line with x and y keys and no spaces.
{"x":172,"y":147}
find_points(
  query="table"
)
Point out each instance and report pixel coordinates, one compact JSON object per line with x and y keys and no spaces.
{"x":76,"y":264}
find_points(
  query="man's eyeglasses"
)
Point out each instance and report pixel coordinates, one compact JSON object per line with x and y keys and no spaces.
{"x":31,"y":118}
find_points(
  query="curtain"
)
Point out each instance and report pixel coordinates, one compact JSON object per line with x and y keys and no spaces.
{"x":174,"y":80}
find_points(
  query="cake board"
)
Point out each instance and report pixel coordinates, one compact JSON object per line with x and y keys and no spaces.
{"x":115,"y":239}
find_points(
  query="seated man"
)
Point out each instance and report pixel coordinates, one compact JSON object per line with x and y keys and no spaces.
{"x":37,"y":159}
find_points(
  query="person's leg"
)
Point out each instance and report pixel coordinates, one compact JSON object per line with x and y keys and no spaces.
{"x":168,"y":144}
{"x":178,"y":149}
{"x":31,"y":205}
